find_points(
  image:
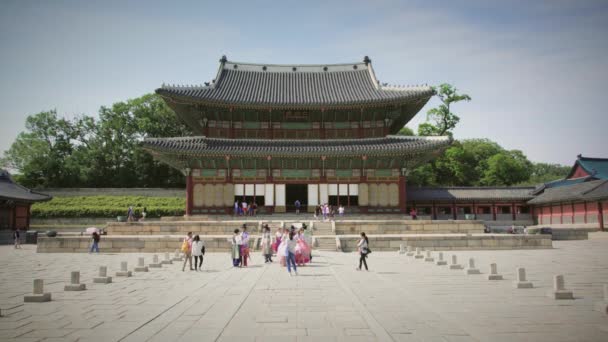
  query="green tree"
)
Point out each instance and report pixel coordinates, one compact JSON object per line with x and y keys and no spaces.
{"x":406,"y":131}
{"x":443,"y":121}
{"x":543,"y":173}
{"x":507,"y":168}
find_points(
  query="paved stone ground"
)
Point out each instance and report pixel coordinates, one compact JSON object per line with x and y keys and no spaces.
{"x":400,"y":299}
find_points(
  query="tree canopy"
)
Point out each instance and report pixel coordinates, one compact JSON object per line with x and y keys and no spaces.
{"x":89,"y":152}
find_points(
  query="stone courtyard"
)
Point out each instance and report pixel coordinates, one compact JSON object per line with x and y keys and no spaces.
{"x":400,"y":299}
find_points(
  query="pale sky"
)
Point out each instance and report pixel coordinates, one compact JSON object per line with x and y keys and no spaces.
{"x":536,"y":70}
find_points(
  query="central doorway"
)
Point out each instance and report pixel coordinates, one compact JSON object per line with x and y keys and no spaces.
{"x":296,"y":192}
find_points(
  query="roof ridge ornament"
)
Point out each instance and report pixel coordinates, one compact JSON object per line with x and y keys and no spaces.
{"x":366,"y":60}
{"x":223,"y":59}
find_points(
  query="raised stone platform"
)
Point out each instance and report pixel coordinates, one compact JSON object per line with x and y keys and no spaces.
{"x":226,"y":227}
{"x":346,"y":243}
{"x":573,"y":231}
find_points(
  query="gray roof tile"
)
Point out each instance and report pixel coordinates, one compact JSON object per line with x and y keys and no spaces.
{"x":11,"y":191}
{"x":469,"y":193}
{"x":389,"y":145}
{"x":309,"y":85}
{"x":586,"y":191}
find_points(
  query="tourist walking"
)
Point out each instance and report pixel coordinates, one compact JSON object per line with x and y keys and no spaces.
{"x":267,"y":244}
{"x":144,"y":213}
{"x":290,"y":254}
{"x":341,"y":210}
{"x":187,"y":250}
{"x":236,"y":208}
{"x":130,"y":214}
{"x":236,"y":249}
{"x":198,"y":250}
{"x":17,"y":238}
{"x":95,"y":245}
{"x":244,"y":246}
{"x":297,"y":204}
{"x":364,"y":251}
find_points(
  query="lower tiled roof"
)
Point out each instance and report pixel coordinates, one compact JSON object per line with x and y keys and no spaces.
{"x":469,"y":193}
{"x":389,"y":145}
{"x":14,"y":192}
{"x":587,"y":191}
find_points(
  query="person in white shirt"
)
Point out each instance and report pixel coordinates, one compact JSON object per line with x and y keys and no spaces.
{"x":341,"y":210}
{"x":236,"y":248}
{"x":197,"y":252}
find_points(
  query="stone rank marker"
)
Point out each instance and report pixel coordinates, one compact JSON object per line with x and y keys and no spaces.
{"x":141,"y":267}
{"x":401,"y":249}
{"x":155,"y":263}
{"x":103,"y":276}
{"x":603,"y":305}
{"x":471,"y":269}
{"x":455,"y":265}
{"x":559,"y":289}
{"x":418,"y":254}
{"x":494,"y":273}
{"x":177,"y":256}
{"x":75,"y":284}
{"x":124,"y":271}
{"x":167,"y":260}
{"x":410,"y":252}
{"x":521,"y":282}
{"x":429,"y":258}
{"x":440,"y":261}
{"x":39,"y":296}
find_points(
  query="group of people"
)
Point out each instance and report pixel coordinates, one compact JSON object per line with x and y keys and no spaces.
{"x":245,"y":209}
{"x":132,"y":217}
{"x":193,"y":247}
{"x":240,"y":247}
{"x":328,"y":212}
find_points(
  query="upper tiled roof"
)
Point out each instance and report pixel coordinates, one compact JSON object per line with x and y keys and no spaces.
{"x":15,"y":192}
{"x":595,"y":167}
{"x":469,"y":193}
{"x":586,"y":191}
{"x":297,"y":86}
{"x":389,"y":145}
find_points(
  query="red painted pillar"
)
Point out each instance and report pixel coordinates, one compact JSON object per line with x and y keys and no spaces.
{"x":585,"y":208}
{"x":561,"y":213}
{"x":189,"y":195}
{"x":402,"y":195}
{"x":493,"y":212}
{"x":600,"y":215}
{"x":454,"y":210}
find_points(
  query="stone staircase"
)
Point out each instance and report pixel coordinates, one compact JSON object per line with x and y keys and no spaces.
{"x":324,"y":236}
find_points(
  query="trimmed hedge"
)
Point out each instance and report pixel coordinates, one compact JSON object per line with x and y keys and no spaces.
{"x":108,"y":206}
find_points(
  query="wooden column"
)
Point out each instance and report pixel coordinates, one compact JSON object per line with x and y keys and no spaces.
{"x":189,"y":194}
{"x":600,"y":215}
{"x":402,"y":195}
{"x":513,"y":214}
{"x":561,"y":213}
{"x":494,"y":208}
{"x":585,"y":212}
{"x":454,"y":214}
{"x":433,"y":211}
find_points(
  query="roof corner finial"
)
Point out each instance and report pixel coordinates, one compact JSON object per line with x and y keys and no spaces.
{"x":366,"y":60}
{"x":579,"y":156}
{"x":223,"y":59}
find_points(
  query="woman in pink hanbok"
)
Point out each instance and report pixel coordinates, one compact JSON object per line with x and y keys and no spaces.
{"x":282,"y":249}
{"x":277,"y":240}
{"x":302,"y":249}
